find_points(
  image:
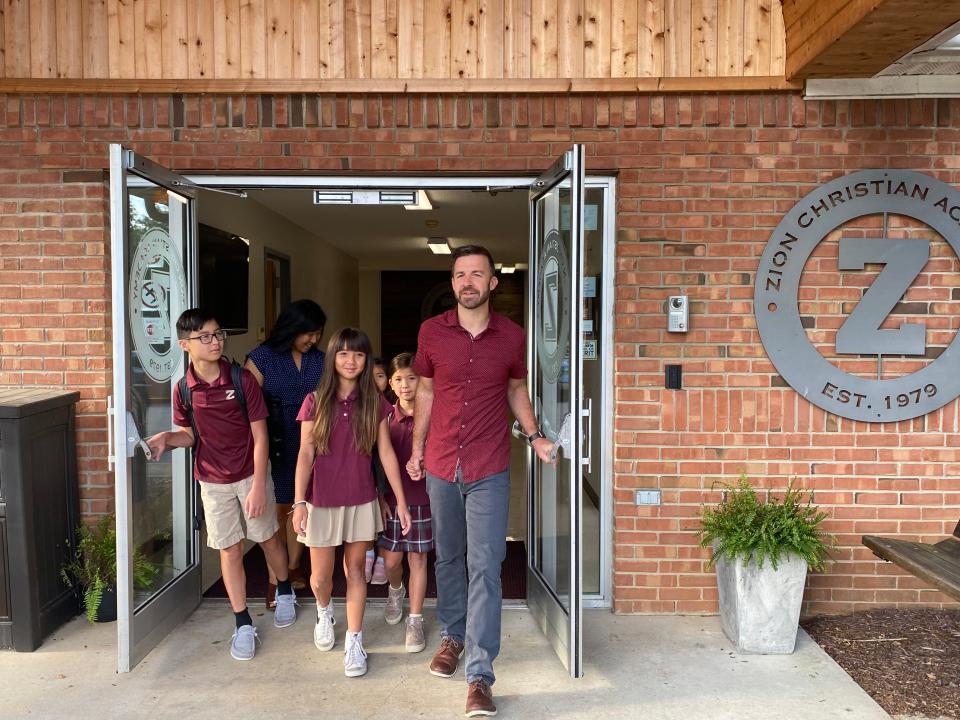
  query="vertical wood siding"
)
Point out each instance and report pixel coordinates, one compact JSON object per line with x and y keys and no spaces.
{"x":389,"y":39}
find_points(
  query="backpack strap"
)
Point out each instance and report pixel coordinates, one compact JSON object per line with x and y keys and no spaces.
{"x":183,"y":389}
{"x":236,"y":377}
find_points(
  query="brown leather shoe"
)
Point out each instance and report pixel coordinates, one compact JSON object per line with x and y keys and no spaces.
{"x":480,"y":699}
{"x":447,"y":657}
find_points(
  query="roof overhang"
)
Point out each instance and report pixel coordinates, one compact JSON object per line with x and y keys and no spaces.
{"x":859,"y":38}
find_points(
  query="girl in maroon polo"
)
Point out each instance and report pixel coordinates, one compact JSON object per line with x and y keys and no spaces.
{"x":419,"y":541}
{"x":335,"y":495}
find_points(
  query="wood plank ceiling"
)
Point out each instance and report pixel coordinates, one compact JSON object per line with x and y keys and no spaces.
{"x":858,"y":38}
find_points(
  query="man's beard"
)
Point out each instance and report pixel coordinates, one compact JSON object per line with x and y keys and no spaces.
{"x":474,"y":301}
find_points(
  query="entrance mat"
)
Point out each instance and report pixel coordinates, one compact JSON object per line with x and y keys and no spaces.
{"x":513,"y":576}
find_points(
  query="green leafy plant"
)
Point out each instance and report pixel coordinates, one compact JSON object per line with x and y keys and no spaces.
{"x":93,"y":568}
{"x":745,"y":526}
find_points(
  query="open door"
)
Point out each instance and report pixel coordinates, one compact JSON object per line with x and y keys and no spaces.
{"x":555,"y":349}
{"x":153,"y":231}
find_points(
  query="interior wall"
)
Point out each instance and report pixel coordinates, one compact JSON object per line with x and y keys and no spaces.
{"x":318,"y":270}
{"x":369,"y":308}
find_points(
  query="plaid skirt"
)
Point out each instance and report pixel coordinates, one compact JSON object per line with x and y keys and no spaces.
{"x":420,"y":537}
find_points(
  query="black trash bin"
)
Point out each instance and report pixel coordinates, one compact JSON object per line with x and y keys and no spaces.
{"x":39,"y":512}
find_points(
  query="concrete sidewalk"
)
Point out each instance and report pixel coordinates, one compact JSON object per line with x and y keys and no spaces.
{"x":664,"y":667}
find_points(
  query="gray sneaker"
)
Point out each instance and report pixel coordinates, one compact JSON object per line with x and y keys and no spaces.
{"x":393,"y":612}
{"x":415,"y":641}
{"x":244,"y":643}
{"x":285,"y":614}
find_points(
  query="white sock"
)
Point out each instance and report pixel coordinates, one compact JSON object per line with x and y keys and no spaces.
{"x":415,"y":615}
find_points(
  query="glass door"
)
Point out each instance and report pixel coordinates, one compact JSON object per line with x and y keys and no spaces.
{"x":153,"y":231}
{"x":554,"y":582}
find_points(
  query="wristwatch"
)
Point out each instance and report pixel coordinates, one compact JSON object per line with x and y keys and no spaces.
{"x":535,"y":436}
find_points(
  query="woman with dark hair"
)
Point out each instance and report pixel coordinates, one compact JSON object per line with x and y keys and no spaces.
{"x":288,"y":367}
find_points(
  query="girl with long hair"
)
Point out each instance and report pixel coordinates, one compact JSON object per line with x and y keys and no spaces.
{"x":336,"y":495}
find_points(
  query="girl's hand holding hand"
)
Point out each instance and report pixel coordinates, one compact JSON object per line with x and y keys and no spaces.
{"x":300,"y":520}
{"x":403,"y":512}
{"x":385,"y":513}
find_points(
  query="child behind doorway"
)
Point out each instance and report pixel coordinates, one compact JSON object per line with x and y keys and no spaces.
{"x":230,"y":463}
{"x":419,"y":541}
{"x":374,"y":569}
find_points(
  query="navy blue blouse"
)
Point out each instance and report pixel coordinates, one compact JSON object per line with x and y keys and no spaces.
{"x":282,"y":379}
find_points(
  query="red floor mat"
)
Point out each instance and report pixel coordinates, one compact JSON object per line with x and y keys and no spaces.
{"x":513,"y":576}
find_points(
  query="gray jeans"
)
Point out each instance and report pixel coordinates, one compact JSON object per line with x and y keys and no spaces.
{"x":470,"y":524}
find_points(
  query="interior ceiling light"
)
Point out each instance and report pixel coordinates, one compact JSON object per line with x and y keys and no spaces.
{"x":507,"y":269}
{"x":438,"y":245}
{"x":364,"y":197}
{"x":422,"y":203}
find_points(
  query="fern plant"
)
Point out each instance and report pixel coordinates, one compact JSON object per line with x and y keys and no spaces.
{"x":745,"y":526}
{"x":93,"y":568}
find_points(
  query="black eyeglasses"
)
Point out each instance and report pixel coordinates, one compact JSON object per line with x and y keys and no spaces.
{"x":207,"y":338}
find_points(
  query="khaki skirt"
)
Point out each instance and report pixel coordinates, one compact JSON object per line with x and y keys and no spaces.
{"x":333,"y":526}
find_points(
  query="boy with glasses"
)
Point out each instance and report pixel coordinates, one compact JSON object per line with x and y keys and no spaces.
{"x":230,"y":442}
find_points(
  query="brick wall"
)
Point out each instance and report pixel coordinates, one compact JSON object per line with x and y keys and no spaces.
{"x":702,"y":183}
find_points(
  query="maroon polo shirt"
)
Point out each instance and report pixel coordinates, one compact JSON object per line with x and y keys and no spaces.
{"x":224,"y":453}
{"x":401,"y":437}
{"x":468,"y":420}
{"x":344,"y":476}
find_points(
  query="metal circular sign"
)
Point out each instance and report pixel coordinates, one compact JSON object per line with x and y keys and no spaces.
{"x":776,"y":306}
{"x":157,"y":286}
{"x":553,"y":306}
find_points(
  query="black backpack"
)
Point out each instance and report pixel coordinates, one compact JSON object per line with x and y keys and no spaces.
{"x":236,"y":374}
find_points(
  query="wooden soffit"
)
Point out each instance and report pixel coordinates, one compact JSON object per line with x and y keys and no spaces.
{"x":858,"y":38}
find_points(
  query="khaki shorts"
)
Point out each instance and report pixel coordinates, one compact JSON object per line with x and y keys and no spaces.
{"x":225,"y":517}
{"x":333,"y":526}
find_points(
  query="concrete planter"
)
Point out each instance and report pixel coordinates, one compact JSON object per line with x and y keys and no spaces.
{"x":760,"y":607}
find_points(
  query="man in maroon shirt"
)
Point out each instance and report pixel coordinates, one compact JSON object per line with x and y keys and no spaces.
{"x":230,"y":463}
{"x":472,"y":364}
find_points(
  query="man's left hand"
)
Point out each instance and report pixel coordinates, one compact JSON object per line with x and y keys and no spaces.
{"x":544,"y":450}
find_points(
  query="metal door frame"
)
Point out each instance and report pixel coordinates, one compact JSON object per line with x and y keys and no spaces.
{"x":140,"y":629}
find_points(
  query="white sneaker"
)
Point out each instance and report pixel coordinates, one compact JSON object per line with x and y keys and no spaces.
{"x":379,"y":576}
{"x":354,"y":656}
{"x":323,"y":636}
{"x":393,"y":612}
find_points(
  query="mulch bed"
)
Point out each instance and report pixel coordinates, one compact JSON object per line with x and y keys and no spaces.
{"x":906,"y":660}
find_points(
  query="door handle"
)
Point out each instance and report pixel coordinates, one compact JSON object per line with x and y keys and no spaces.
{"x":111,"y":445}
{"x":587,"y":414}
{"x":134,"y":440}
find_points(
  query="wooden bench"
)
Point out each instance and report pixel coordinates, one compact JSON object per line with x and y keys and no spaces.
{"x":938,"y":564}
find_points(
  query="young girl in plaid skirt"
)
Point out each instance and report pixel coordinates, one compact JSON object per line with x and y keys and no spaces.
{"x":419,"y":541}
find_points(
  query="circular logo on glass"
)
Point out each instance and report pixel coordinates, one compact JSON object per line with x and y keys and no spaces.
{"x":862,"y":330}
{"x":157,"y":286}
{"x":553,"y":306}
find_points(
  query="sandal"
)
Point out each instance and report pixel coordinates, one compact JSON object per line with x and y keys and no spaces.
{"x":297,"y":581}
